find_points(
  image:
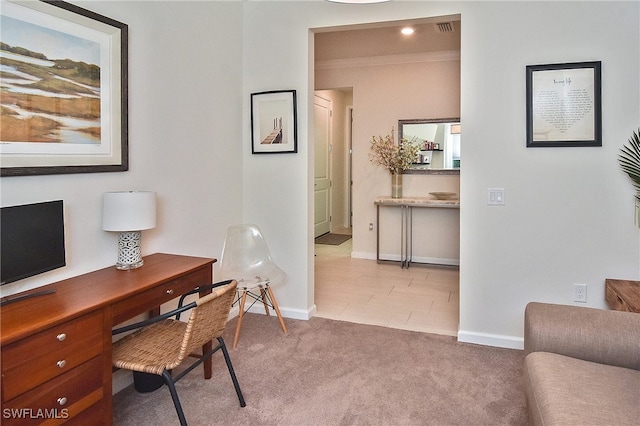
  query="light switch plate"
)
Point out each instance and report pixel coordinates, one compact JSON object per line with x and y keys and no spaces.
{"x":495,"y":197}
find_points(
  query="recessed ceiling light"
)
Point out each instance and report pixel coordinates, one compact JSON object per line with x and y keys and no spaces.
{"x":407,"y":31}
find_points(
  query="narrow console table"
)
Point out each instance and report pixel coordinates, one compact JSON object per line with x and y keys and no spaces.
{"x":56,"y":348}
{"x":406,"y":227}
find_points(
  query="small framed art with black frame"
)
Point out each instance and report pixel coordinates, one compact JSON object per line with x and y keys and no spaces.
{"x":564,"y":105}
{"x":273,"y":122}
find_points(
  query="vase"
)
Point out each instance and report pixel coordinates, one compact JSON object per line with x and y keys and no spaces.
{"x":396,"y":185}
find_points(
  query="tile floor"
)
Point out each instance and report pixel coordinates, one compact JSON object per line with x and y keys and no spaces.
{"x":418,"y":298}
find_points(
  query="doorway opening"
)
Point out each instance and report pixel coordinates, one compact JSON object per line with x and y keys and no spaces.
{"x":333,"y":111}
{"x":350,"y":56}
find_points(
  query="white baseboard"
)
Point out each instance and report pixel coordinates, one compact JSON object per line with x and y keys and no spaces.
{"x":301,"y":314}
{"x":437,"y":261}
{"x":363,"y":255}
{"x":486,"y":339}
{"x":396,"y":257}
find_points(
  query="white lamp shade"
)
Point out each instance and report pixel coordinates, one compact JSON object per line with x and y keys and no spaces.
{"x":129,"y":211}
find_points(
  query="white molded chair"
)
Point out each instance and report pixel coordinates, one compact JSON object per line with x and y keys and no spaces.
{"x":246,"y":259}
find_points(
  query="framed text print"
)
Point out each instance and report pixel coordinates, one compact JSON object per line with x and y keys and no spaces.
{"x":564,"y":105}
{"x":64,"y":90}
{"x":273,"y":122}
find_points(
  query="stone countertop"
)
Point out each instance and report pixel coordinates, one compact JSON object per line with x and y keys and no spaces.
{"x":417,"y":202}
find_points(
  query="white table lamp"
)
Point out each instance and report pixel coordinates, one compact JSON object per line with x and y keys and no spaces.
{"x":129,"y":212}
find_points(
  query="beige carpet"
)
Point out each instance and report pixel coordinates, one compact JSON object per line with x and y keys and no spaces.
{"x":327,"y":372}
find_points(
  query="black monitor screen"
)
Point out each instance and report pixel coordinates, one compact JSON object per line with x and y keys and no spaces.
{"x":32,"y":240}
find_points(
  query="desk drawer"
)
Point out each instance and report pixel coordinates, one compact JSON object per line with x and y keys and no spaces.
{"x":156,"y":296}
{"x":43,"y":356}
{"x":62,"y":398}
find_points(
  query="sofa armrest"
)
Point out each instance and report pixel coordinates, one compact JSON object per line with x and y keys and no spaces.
{"x":606,"y":337}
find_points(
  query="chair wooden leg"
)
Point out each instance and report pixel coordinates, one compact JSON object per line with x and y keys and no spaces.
{"x":264,"y":301}
{"x":174,"y":395}
{"x":275,"y":307}
{"x":243,"y":299}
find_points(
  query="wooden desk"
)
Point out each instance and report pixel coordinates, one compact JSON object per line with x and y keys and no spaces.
{"x":56,"y":348}
{"x":623,"y":295}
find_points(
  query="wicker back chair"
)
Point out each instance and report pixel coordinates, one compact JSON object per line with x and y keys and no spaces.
{"x":163,"y":343}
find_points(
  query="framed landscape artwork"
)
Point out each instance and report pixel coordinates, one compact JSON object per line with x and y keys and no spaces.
{"x":64,"y":90}
{"x":564,"y":105}
{"x":273,"y":122}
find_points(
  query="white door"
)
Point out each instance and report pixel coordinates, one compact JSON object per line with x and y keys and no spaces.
{"x":322,"y":167}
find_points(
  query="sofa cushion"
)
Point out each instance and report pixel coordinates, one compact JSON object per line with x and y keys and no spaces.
{"x":596,"y":335}
{"x":567,"y":391}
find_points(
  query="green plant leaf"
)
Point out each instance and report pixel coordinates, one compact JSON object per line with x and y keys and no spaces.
{"x":629,"y":159}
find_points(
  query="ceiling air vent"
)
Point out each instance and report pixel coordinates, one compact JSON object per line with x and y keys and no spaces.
{"x":444,"y":27}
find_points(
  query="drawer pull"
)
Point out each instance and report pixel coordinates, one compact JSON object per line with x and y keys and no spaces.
{"x":170,"y":292}
{"x":62,"y":400}
{"x":62,"y":363}
{"x":61,"y":337}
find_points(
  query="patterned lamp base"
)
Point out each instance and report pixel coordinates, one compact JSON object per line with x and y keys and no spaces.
{"x":129,"y":253}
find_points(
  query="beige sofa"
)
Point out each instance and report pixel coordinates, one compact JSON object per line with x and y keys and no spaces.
{"x":582,"y":365}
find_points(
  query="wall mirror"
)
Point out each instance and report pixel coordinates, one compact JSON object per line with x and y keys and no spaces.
{"x":439,"y":140}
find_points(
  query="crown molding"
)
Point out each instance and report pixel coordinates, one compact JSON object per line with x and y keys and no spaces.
{"x":369,"y":61}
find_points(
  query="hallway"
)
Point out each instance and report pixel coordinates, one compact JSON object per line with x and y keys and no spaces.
{"x":357,"y":290}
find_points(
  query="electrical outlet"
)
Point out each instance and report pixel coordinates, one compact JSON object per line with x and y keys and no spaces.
{"x":580,"y":293}
{"x":371,"y":226}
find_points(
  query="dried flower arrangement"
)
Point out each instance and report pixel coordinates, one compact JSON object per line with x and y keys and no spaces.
{"x":394,"y":158}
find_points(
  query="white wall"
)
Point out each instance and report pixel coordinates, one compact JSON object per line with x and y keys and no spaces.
{"x":185,"y":139}
{"x":276,"y":187}
{"x":568,"y":212}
